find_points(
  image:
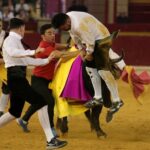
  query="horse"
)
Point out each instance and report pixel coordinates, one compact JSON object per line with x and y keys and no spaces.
{"x":93,"y":114}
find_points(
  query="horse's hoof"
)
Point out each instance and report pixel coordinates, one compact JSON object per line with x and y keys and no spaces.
{"x":64,"y":134}
{"x":109,"y":116}
{"x":101,"y":134}
{"x":64,"y":129}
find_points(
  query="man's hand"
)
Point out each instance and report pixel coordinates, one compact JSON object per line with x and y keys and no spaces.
{"x":39,"y":50}
{"x":56,"y":54}
{"x":81,"y":47}
{"x":83,"y":54}
{"x":50,"y":58}
{"x":89,"y":57}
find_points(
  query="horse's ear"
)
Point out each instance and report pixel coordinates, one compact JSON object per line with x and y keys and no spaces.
{"x":103,"y":42}
{"x":115,"y":34}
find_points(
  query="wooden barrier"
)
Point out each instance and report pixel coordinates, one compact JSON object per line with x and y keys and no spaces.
{"x":136,"y":48}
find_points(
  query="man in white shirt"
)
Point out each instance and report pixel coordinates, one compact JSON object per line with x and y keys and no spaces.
{"x":16,"y":59}
{"x":85,"y":30}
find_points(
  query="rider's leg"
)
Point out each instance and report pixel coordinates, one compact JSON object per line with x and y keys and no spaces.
{"x":96,"y":82}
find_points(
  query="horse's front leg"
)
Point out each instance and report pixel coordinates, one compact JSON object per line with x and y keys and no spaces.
{"x":62,"y":125}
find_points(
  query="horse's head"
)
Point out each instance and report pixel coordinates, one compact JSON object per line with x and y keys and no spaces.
{"x":102,"y":54}
{"x":107,"y":42}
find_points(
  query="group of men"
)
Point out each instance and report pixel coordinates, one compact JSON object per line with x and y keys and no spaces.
{"x":85,"y":30}
{"x":16,"y":59}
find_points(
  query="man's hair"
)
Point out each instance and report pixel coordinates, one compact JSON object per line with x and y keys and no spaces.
{"x":15,"y":23}
{"x":59,"y":19}
{"x":44,"y":28}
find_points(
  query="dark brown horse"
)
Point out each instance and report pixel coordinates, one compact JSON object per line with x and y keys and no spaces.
{"x":93,"y":114}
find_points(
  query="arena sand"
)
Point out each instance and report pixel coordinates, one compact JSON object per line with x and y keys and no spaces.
{"x":129,"y":130}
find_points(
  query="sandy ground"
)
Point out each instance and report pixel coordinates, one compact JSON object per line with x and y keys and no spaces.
{"x":129,"y":130}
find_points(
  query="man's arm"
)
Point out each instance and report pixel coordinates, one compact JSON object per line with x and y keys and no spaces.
{"x":60,"y":46}
{"x":76,"y":40}
{"x":10,"y":48}
{"x":69,"y":55}
{"x":64,"y":54}
{"x":39,"y":61}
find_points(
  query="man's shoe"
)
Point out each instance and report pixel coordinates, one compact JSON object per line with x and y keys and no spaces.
{"x":23,"y":125}
{"x":55,"y":143}
{"x":1,"y":113}
{"x":94,"y":102}
{"x":115,"y":107}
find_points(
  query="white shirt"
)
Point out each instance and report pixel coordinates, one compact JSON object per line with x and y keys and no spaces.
{"x":86,"y":29}
{"x":14,"y":53}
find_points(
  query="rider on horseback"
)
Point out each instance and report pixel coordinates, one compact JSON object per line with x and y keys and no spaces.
{"x":87,"y":33}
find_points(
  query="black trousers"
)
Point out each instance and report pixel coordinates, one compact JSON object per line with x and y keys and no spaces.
{"x":40,"y":85}
{"x":21,"y":91}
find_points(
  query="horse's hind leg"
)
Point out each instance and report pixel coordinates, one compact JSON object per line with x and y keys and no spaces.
{"x":95,"y":117}
{"x":62,"y":124}
{"x":89,"y":117}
